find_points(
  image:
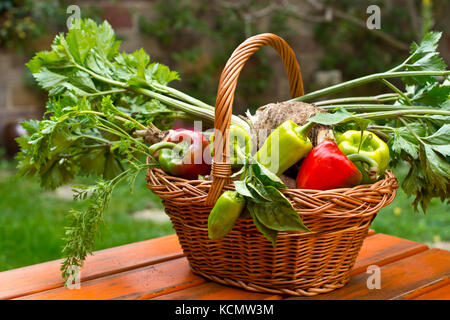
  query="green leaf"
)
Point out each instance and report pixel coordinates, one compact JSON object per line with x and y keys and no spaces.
{"x":137,"y":82}
{"x":146,"y":111}
{"x":45,"y":58}
{"x":242,"y":189}
{"x":415,"y":184}
{"x":436,"y":170}
{"x":363,"y":123}
{"x":429,"y":43}
{"x":440,"y":140}
{"x":81,"y":40}
{"x":132,"y":65}
{"x":442,"y":136}
{"x":259,"y":191}
{"x":340,"y":116}
{"x":438,"y":165}
{"x":429,"y":61}
{"x":98,"y":64}
{"x":106,"y":44}
{"x":51,"y":81}
{"x":425,"y":57}
{"x":83,"y":81}
{"x":269,"y":234}
{"x":160,"y":73}
{"x":57,"y":174}
{"x":278,"y":214}
{"x":140,"y":61}
{"x":30,"y":126}
{"x":399,"y":144}
{"x":434,"y":95}
{"x":112,"y":167}
{"x":267,"y":177}
{"x":442,"y":149}
{"x":93,"y":162}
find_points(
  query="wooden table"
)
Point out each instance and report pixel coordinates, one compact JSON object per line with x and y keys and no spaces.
{"x":157,"y":269}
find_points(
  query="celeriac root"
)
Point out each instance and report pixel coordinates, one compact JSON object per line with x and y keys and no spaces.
{"x":270,"y":116}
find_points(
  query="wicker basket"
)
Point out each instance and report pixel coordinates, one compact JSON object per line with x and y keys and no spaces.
{"x":301,"y":263}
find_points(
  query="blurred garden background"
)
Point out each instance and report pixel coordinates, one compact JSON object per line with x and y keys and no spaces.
{"x":196,"y":38}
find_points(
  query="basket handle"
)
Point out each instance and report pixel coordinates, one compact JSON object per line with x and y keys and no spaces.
{"x":221,"y":168}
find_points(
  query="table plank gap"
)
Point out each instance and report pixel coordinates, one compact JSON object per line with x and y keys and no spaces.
{"x":425,"y":289}
{"x":441,"y":293}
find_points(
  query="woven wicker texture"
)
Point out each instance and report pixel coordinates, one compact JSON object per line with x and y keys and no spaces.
{"x":301,"y":263}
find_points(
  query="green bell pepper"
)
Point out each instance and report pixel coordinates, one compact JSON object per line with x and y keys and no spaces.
{"x":371,"y":146}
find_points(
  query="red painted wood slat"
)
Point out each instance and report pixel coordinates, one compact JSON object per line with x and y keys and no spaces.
{"x":45,"y":276}
{"x":143,"y":283}
{"x":397,"y":278}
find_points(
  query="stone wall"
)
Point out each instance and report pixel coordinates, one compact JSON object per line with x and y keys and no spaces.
{"x":17,"y":101}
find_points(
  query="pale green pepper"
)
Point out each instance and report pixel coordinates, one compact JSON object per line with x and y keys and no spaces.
{"x":225,"y":213}
{"x":285,"y":146}
{"x":239,"y":138}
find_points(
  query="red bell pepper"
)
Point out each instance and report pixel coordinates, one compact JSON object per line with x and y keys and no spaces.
{"x":184,"y":154}
{"x":326,"y":167}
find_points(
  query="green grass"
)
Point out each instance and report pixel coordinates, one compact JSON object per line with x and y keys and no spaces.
{"x":399,"y":219}
{"x":32,"y":220}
